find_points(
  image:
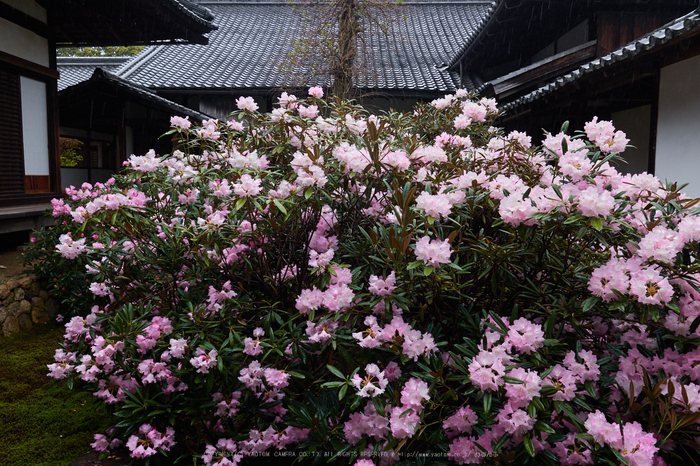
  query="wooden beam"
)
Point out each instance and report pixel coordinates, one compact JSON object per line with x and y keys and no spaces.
{"x":535,"y":75}
{"x":28,"y":65}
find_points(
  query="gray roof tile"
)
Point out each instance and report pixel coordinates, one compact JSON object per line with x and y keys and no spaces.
{"x":76,"y":69}
{"x":102,"y":76}
{"x":254,"y":38}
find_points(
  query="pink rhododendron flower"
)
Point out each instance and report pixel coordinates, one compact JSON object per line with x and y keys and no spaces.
{"x":464,"y":450}
{"x":368,"y":422}
{"x":564,"y":381}
{"x":462,"y":122}
{"x":372,"y":384}
{"x":525,"y":336}
{"x":382,"y":287}
{"x":322,"y":332}
{"x":488,"y":368}
{"x":397,"y":159}
{"x":476,"y":112}
{"x":247,"y":186}
{"x":596,"y":203}
{"x":209,"y":130}
{"x":276,"y":378}
{"x":514,"y":421}
{"x":308,"y":112}
{"x":403,"y":422}
{"x":69,"y":248}
{"x":338,"y":297}
{"x":603,"y":134}
{"x":520,"y":395}
{"x":661,"y":244}
{"x":414,"y":393}
{"x":180,"y":123}
{"x":608,"y":278}
{"x":649,"y":287}
{"x":316,"y":92}
{"x":433,"y":252}
{"x":223,"y":454}
{"x":588,"y":369}
{"x":246,"y":103}
{"x":372,"y":336}
{"x":204,"y":361}
{"x":309,"y":300}
{"x":460,"y":422}
{"x":435,"y":205}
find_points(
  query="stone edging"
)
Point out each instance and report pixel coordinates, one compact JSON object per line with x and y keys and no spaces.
{"x":23,"y":303}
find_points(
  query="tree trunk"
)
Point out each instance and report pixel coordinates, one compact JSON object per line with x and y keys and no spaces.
{"x":342,"y":70}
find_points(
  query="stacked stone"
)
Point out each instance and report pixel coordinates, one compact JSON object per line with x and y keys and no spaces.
{"x":24,"y":303}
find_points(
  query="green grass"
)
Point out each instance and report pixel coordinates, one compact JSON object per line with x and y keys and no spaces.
{"x":42,"y":424}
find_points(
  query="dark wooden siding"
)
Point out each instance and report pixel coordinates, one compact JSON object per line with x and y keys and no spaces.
{"x":11,"y":150}
{"x":618,"y":28}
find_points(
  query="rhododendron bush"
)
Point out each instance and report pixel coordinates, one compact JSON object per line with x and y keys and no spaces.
{"x":413,"y":289}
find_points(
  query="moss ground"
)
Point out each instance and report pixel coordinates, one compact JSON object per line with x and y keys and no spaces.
{"x":42,"y":424}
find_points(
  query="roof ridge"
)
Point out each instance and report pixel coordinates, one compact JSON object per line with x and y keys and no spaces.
{"x":305,"y":2}
{"x":132,"y":65}
{"x":90,"y":60}
{"x":99,"y":73}
{"x":496,"y":6}
{"x":195,"y":11}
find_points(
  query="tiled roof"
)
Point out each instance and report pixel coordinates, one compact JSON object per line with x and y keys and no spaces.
{"x":76,"y":69}
{"x":102,"y":76}
{"x":254,"y":38}
{"x":648,"y":42}
{"x":485,"y":22}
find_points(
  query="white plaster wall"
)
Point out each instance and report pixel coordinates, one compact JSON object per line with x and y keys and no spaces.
{"x":34,"y":127}
{"x":678,"y":136}
{"x":23,"y":43}
{"x":636,"y":123}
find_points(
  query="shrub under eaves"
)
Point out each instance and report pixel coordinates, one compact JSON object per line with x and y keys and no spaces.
{"x":413,"y":289}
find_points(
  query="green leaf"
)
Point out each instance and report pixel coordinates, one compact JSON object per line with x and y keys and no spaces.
{"x":343,"y":390}
{"x":240,"y":203}
{"x":508,"y":379}
{"x":527,"y":443}
{"x":335,"y":371}
{"x":590,"y":388}
{"x":414,"y":264}
{"x":597,"y":223}
{"x":548,"y":390}
{"x":280,"y":206}
{"x":590,"y":303}
{"x":428,"y":270}
{"x":487,"y":402}
{"x":544,"y":427}
{"x":332,"y":384}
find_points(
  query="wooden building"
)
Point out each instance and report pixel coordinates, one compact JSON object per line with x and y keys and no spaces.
{"x":636,"y":63}
{"x":30,"y":30}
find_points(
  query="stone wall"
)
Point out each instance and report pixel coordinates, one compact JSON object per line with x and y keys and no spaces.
{"x":24,"y":303}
